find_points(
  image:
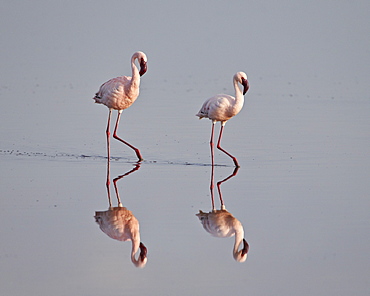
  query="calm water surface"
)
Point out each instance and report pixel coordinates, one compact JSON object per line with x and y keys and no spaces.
{"x":303,"y":202}
{"x":302,"y":139}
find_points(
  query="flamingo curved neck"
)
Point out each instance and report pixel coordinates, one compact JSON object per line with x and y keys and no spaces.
{"x":135,"y":73}
{"x":239,"y":98}
{"x":238,"y":93}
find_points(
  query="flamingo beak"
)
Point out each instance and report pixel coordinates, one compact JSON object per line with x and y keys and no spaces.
{"x":143,"y":67}
{"x":143,"y":252}
{"x":245,"y":248}
{"x":245,"y":84}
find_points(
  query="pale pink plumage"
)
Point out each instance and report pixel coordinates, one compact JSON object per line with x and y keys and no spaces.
{"x":222,"y":107}
{"x":120,"y":93}
{"x":117,"y":93}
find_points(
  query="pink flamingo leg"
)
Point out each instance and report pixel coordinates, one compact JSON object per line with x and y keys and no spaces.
{"x":223,"y":150}
{"x":137,"y":151}
{"x":108,"y":134}
{"x":212,"y":144}
{"x":107,"y":183}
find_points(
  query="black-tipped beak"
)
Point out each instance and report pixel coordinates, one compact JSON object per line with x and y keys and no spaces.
{"x":143,"y":67}
{"x":245,"y":247}
{"x":245,"y":85}
{"x":143,"y":251}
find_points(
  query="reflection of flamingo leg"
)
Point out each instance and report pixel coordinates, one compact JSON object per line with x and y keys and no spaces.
{"x":211,"y":186}
{"x":137,"y":166}
{"x":107,"y":183}
{"x":224,"y":180}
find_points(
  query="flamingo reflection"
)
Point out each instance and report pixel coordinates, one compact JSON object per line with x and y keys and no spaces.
{"x":119,"y":223}
{"x":221,"y":223}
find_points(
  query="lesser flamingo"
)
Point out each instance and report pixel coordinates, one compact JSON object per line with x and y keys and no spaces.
{"x":222,"y":107}
{"x":120,"y":93}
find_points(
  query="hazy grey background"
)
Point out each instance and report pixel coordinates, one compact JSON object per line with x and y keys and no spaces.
{"x":302,"y":139}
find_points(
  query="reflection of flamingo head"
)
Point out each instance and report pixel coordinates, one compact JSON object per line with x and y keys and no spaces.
{"x":241,"y":255}
{"x":142,"y":259}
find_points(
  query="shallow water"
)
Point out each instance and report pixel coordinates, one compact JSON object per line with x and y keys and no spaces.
{"x":302,"y":140}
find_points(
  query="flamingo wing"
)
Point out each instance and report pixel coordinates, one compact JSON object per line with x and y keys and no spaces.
{"x":116,"y":93}
{"x":217,"y":108}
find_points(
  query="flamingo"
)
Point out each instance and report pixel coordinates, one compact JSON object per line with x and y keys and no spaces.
{"x":120,"y":223}
{"x":120,"y":93}
{"x":221,"y":223}
{"x":222,"y":107}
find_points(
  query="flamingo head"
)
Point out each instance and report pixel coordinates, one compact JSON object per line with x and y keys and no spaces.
{"x":241,"y":77}
{"x":143,"y":66}
{"x":245,"y":84}
{"x":142,"y":60}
